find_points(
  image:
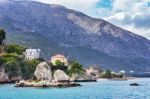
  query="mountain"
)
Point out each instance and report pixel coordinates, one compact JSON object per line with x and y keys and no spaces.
{"x":56,"y":29}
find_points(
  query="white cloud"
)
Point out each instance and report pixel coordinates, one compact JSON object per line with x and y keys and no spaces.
{"x":123,"y":4}
{"x":118,"y":16}
{"x":132,"y":15}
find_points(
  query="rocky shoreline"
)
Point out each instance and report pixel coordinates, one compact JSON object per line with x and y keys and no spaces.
{"x":46,"y":84}
{"x":85,"y":81}
{"x":44,"y":77}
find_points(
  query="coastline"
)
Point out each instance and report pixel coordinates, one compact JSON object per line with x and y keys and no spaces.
{"x":117,"y":79}
{"x":98,"y":90}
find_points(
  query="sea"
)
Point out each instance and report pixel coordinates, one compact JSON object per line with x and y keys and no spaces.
{"x":103,"y":89}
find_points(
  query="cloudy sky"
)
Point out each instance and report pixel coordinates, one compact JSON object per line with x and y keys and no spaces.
{"x":132,"y":15}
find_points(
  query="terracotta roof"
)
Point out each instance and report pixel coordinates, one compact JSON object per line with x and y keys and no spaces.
{"x":58,"y":56}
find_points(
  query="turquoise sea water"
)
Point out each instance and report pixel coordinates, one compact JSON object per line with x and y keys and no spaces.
{"x":102,"y":89}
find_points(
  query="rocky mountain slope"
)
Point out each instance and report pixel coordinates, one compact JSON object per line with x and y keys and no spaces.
{"x":56,"y":29}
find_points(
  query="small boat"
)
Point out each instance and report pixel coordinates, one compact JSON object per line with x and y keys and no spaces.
{"x":134,"y":84}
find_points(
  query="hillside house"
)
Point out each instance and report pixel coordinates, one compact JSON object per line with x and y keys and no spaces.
{"x":60,"y":58}
{"x":31,"y":54}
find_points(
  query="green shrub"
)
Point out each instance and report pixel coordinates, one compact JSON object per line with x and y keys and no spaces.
{"x":75,"y":68}
{"x":59,"y":65}
{"x":14,"y":48}
{"x":11,"y":64}
{"x":15,"y":65}
{"x":107,"y":74}
{"x":28,"y":68}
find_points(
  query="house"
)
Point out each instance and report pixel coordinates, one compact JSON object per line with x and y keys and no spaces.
{"x":93,"y":71}
{"x":60,"y":58}
{"x":31,"y":54}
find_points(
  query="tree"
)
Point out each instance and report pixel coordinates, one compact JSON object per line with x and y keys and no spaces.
{"x":14,"y":48}
{"x":28,"y":68}
{"x":2,"y":36}
{"x":11,"y":64}
{"x":13,"y":69}
{"x":75,"y":68}
{"x":15,"y":65}
{"x":108,"y":74}
{"x":58,"y":63}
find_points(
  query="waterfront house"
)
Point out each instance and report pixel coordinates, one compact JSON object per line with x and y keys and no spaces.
{"x":93,"y":71}
{"x":31,"y":54}
{"x":122,"y":72}
{"x":60,"y":58}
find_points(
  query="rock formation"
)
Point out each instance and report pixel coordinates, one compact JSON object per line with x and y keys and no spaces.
{"x":43,"y":72}
{"x":3,"y":76}
{"x":60,"y":76}
{"x":82,"y":78}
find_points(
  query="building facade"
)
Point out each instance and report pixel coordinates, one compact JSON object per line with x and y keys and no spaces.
{"x":93,"y":71}
{"x":60,"y":58}
{"x":31,"y":54}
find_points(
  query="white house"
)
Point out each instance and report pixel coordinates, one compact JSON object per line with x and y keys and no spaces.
{"x":31,"y":54}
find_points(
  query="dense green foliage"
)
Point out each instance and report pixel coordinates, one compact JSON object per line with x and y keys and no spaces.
{"x":28,"y":68}
{"x":75,"y":68}
{"x":15,"y":65}
{"x":59,"y":65}
{"x":1,"y":61}
{"x":109,"y":74}
{"x":11,"y":63}
{"x":14,"y":48}
{"x":2,"y":36}
{"x":13,"y":69}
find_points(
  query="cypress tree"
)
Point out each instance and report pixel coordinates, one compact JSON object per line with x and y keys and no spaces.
{"x":2,"y":36}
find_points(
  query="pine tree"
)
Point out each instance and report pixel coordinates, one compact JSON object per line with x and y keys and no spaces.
{"x":2,"y":36}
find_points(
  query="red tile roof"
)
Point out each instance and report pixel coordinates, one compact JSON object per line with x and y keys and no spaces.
{"x":58,"y":56}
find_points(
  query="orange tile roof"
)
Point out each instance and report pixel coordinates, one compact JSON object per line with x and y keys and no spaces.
{"x":58,"y":56}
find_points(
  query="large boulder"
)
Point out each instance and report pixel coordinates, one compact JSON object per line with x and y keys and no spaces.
{"x":60,"y":76}
{"x":43,"y":72}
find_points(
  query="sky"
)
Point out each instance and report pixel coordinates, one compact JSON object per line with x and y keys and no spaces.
{"x":132,"y":15}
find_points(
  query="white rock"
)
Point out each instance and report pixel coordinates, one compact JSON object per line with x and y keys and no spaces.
{"x":43,"y":72}
{"x":60,"y":75}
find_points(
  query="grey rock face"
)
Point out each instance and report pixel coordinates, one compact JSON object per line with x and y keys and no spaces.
{"x":3,"y":76}
{"x":85,"y":77}
{"x":60,"y":75}
{"x":43,"y":72}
